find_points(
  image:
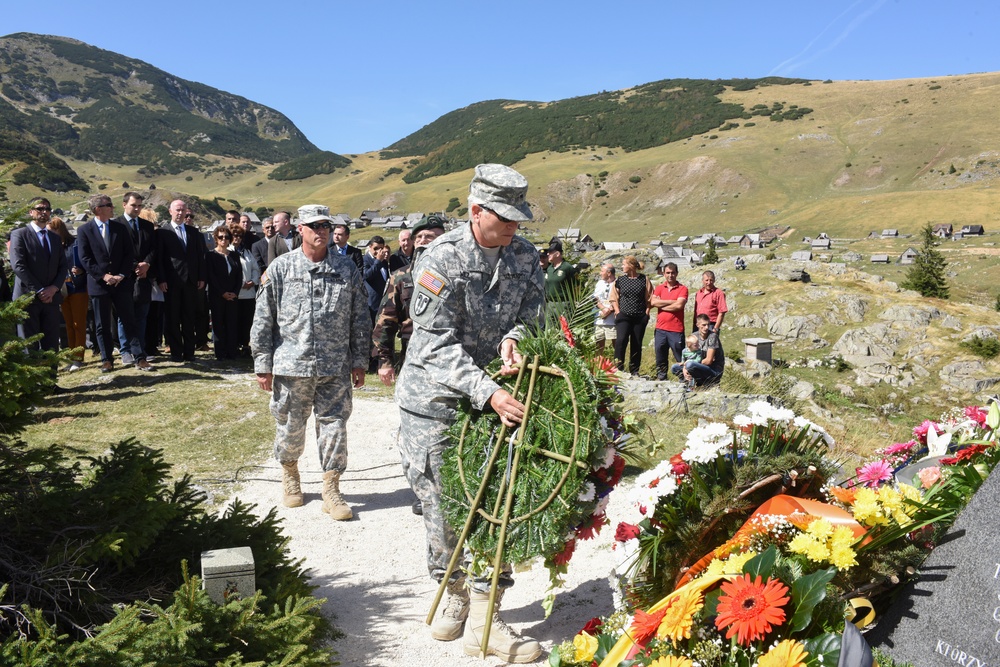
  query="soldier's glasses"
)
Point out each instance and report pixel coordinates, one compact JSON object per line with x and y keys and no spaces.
{"x":317,"y":225}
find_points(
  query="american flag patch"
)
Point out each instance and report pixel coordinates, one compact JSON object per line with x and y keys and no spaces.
{"x":431,"y":283}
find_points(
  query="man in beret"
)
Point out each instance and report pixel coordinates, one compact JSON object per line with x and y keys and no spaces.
{"x":475,"y":289}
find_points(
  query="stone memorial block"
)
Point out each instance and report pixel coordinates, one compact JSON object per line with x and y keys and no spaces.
{"x":951,"y":614}
{"x":226,"y":572}
{"x":758,"y":349}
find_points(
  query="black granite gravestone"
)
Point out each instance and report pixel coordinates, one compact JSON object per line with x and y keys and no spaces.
{"x":951,"y":615}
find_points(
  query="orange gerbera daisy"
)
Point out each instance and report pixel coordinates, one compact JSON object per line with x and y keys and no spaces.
{"x":750,"y":607}
{"x":644,"y":625}
{"x":676,"y":623}
{"x":846,"y":496}
{"x":788,"y":653}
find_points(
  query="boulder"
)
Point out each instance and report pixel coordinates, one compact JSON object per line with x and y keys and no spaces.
{"x":852,"y":307}
{"x":802,"y":390}
{"x":951,"y":322}
{"x":652,"y":396}
{"x":872,"y":341}
{"x":910,"y":315}
{"x":970,"y":376}
{"x":794,"y":327}
{"x":851,"y":256}
{"x":986,"y":333}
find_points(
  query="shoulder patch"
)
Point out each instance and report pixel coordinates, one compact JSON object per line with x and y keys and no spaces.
{"x":431,"y":282}
{"x":264,"y":278}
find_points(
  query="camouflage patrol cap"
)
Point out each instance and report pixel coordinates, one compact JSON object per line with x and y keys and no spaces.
{"x":502,"y":190}
{"x":428,"y":222}
{"x":313,"y":213}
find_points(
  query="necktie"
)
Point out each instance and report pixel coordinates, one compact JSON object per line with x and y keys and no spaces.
{"x":135,"y":227}
{"x":180,"y":233}
{"x":104,"y":234}
{"x":43,"y":238}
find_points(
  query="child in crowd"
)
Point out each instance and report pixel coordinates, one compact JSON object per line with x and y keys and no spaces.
{"x":692,"y":354}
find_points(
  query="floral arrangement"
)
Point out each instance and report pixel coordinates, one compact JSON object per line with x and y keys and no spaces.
{"x":789,"y":586}
{"x":702,"y":495}
{"x":571,"y":457}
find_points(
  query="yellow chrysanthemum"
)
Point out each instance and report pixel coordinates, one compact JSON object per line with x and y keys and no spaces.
{"x":820,"y":529}
{"x":890,"y":497}
{"x":676,"y":623}
{"x":734,"y":564}
{"x":787,"y":653}
{"x":818,"y":552}
{"x":672,"y":661}
{"x":867,"y":509}
{"x":842,"y":537}
{"x":842,"y":557}
{"x":911,"y":493}
{"x":586,"y":647}
{"x":714,"y":568}
{"x":802,"y":544}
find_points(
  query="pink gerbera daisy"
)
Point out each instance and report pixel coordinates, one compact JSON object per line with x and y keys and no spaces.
{"x":874,"y":473}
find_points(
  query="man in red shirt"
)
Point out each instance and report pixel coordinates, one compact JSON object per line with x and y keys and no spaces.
{"x":710,"y":301}
{"x":668,"y":299}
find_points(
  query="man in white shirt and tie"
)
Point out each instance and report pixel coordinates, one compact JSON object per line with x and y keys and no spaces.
{"x":180,"y":273}
{"x":339,"y":237}
{"x":141,"y":233}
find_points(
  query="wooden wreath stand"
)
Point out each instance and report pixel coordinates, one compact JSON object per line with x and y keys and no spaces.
{"x":500,"y":517}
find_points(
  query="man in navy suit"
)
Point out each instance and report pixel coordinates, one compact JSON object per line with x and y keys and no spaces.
{"x":180,"y":271}
{"x":108,"y":257}
{"x":338,"y":244}
{"x":39,"y":266}
{"x":141,"y":233}
{"x":376,"y":273}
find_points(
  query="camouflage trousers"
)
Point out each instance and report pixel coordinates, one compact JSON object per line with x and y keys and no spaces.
{"x":422,"y":443}
{"x":293,"y":399}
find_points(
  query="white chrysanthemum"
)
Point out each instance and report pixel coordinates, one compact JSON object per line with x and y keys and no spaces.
{"x":644,"y":498}
{"x":609,"y":456}
{"x":624,"y":554}
{"x":587,"y":492}
{"x":761,"y":412}
{"x":705,"y":442}
{"x":742,"y":420}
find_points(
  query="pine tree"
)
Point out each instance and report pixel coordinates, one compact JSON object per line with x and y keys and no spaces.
{"x":927,"y":275}
{"x":711,"y":257}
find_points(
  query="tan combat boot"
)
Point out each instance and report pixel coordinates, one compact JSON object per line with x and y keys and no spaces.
{"x":504,"y":642}
{"x":291,"y":484}
{"x":334,"y":503}
{"x":454,"y":610}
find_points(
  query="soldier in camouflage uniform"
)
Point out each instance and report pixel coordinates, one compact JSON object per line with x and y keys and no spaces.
{"x":475,"y":288}
{"x":393,"y":317}
{"x":310,"y":339}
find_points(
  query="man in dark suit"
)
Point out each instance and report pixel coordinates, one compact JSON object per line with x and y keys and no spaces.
{"x":141,"y":233}
{"x":282,"y":239}
{"x":249,"y":236}
{"x":376,"y":273}
{"x":180,"y":273}
{"x":108,"y":257}
{"x":259,"y":249}
{"x":39,"y":267}
{"x":402,"y":257}
{"x":339,"y":237}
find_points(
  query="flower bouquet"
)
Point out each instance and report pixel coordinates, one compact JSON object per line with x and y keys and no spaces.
{"x":792,"y":585}
{"x":567,"y":454}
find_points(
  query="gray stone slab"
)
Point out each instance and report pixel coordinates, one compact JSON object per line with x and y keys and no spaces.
{"x":951,"y":615}
{"x":228,"y":572}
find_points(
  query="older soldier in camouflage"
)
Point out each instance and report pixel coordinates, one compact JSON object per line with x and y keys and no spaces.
{"x":474,"y":289}
{"x":310,"y":339}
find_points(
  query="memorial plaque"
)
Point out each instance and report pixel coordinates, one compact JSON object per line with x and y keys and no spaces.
{"x":951,"y":615}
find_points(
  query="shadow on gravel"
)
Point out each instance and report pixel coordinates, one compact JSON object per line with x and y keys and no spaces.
{"x":573,"y":608}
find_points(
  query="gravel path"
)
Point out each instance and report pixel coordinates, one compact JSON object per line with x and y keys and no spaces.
{"x":373,"y":572}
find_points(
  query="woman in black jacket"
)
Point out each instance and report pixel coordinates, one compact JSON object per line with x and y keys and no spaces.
{"x":225,"y":278}
{"x":630,"y":300}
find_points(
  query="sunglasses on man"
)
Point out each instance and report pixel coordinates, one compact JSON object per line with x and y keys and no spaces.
{"x":315,"y":226}
{"x":43,"y":209}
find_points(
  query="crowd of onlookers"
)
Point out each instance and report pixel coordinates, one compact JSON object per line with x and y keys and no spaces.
{"x":144,"y":289}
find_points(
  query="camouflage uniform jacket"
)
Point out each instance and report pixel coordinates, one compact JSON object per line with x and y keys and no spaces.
{"x":394,"y":316}
{"x":461,"y":312}
{"x":311,"y":318}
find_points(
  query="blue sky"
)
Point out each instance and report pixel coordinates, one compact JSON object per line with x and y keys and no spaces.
{"x":357,"y":76}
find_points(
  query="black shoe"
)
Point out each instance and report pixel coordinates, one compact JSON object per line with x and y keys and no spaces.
{"x":418,"y":508}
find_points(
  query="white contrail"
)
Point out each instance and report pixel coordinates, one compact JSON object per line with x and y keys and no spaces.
{"x":797,"y":61}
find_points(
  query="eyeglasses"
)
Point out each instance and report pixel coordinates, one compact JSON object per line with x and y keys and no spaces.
{"x":189,"y":217}
{"x":42,"y":209}
{"x":226,"y":237}
{"x":108,"y":205}
{"x":317,"y":225}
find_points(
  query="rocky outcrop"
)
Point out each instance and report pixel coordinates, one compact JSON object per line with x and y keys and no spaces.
{"x":653,"y":397}
{"x":910,"y":315}
{"x":970,"y":376}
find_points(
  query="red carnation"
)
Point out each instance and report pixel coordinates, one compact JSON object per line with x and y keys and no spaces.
{"x":626,"y":532}
{"x":562,"y":558}
{"x":592,"y":526}
{"x":566,"y":331}
{"x":965,"y":454}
